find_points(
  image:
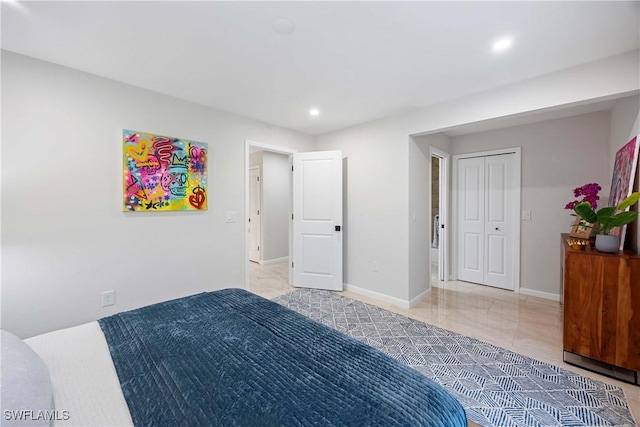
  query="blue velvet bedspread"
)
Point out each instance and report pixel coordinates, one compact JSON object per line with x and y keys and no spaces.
{"x":232,"y":358}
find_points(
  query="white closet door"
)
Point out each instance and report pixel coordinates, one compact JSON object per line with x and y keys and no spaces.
{"x":471,"y":219}
{"x":499,"y":197}
{"x":487,"y":213}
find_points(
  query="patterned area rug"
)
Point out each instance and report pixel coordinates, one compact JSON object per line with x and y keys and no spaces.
{"x":497,"y":387}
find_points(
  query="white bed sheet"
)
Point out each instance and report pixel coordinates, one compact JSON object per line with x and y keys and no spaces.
{"x":83,"y":377}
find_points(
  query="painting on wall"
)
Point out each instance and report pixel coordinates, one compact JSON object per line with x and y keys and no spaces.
{"x":163,"y":173}
{"x":624,"y":172}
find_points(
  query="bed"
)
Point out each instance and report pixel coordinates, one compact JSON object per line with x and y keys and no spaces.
{"x":231,"y":358}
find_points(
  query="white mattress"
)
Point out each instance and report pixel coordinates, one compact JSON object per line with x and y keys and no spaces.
{"x":83,"y":377}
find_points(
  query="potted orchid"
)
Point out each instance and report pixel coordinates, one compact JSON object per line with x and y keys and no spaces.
{"x":588,"y":192}
{"x":607,"y":218}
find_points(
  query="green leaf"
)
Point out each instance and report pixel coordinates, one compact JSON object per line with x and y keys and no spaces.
{"x":629,"y":201}
{"x":584,"y":210}
{"x":623,"y":218}
{"x":605,"y":213}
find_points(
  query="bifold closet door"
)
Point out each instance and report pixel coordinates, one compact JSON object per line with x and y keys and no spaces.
{"x":499,"y":219}
{"x":486,"y":200}
{"x":471,"y":197}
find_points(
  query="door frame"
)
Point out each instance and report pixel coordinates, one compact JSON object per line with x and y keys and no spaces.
{"x":517,"y":214}
{"x":248,"y":144}
{"x":443,"y":262}
{"x":259,"y":169}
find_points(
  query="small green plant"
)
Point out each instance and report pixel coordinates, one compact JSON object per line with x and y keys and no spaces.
{"x":606,"y":218}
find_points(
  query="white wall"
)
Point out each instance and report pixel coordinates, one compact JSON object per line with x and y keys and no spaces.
{"x":275,"y":206}
{"x":609,"y":78}
{"x":419,"y":220}
{"x":420,"y":209}
{"x":438,"y":140}
{"x":557,"y":156}
{"x":376,"y":226}
{"x":379,"y":159}
{"x":625,"y":119}
{"x":65,"y":238}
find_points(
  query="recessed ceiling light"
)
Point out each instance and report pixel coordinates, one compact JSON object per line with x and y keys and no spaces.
{"x":283,"y":26}
{"x":502,"y":44}
{"x":314,"y":112}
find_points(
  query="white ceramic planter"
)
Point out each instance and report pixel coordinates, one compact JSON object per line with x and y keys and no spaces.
{"x":607,"y":243}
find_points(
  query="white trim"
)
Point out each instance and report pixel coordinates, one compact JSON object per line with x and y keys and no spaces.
{"x":274,"y":261}
{"x":271,"y":148}
{"x":378,"y":296}
{"x":444,"y":209}
{"x":498,"y":152}
{"x":290,"y":217}
{"x":266,"y":147}
{"x":517,"y":214}
{"x":540,"y":294}
{"x":259,"y":169}
{"x":416,"y":300}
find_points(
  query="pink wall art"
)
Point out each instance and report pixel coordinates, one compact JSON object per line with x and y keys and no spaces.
{"x":624,"y":172}
{"x":162,"y":173}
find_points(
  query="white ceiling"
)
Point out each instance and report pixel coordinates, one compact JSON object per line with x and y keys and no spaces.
{"x":355,"y":61}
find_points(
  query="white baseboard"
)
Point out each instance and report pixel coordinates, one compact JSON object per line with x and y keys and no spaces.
{"x":274,"y":261}
{"x":540,"y":294}
{"x":417,"y":299}
{"x":378,"y":296}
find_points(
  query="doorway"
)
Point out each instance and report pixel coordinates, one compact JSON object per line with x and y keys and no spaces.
{"x":487,"y":226}
{"x":439,"y":214}
{"x":268,"y":210}
{"x":314,"y":216}
{"x":255,"y":205}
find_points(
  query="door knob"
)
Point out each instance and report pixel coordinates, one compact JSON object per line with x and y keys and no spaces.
{"x":497,"y":229}
{"x":337,"y":228}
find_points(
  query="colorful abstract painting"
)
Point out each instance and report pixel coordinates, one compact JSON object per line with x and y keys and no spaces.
{"x":624,"y":172}
{"x":163,"y":173}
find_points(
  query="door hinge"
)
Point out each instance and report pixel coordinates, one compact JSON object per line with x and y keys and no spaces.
{"x":291,"y":168}
{"x":249,"y":219}
{"x":441,"y":225}
{"x":258,"y":211}
{"x":258,"y":178}
{"x":258,"y":247}
{"x":291,"y":216}
{"x":292,"y":264}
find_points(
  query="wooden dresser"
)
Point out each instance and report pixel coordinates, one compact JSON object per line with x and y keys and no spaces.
{"x":601,"y":311}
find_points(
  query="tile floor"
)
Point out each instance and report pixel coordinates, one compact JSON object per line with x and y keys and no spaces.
{"x":528,"y":325}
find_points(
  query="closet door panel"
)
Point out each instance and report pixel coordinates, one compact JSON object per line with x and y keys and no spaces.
{"x":471,"y":213}
{"x":498,"y":235}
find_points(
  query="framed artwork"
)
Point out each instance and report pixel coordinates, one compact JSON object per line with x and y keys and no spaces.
{"x":624,"y":172}
{"x":162,"y":173}
{"x":581,"y":229}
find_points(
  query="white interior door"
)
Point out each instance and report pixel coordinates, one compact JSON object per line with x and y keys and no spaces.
{"x":317,"y":220}
{"x":486,"y":215}
{"x":471,"y":219}
{"x":443,"y":212}
{"x":499,"y":221}
{"x":254,"y":213}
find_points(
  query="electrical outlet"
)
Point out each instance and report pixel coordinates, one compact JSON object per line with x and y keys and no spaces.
{"x":108,"y":298}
